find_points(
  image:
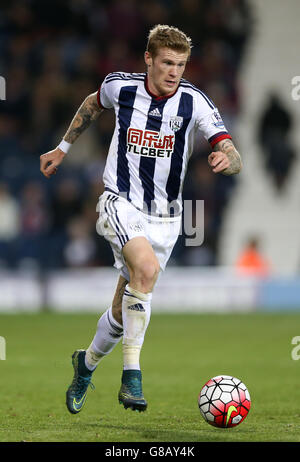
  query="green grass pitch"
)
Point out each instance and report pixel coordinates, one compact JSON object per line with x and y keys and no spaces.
{"x":181,"y":352}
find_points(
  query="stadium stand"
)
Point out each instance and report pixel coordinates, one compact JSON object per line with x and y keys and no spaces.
{"x":258,"y":207}
{"x":52,"y":54}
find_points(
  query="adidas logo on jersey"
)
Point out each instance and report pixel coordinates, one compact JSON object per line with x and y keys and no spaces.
{"x":137,"y":307}
{"x":155,"y":112}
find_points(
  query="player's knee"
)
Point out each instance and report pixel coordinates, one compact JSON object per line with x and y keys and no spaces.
{"x":145,"y":274}
{"x":149,"y":272}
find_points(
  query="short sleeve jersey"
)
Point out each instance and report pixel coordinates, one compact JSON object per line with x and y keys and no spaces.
{"x":154,"y":139}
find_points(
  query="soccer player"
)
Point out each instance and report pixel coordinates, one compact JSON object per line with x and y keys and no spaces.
{"x":157,"y":114}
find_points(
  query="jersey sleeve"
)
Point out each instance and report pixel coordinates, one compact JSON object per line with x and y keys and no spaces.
{"x":105,"y":94}
{"x":210,"y":123}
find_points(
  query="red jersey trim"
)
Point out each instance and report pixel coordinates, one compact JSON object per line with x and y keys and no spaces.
{"x":218,"y":137}
{"x":98,"y":99}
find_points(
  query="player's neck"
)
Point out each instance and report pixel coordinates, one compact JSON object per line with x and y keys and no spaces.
{"x":154,"y":92}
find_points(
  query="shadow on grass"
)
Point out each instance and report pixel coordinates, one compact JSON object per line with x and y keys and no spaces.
{"x":138,"y":433}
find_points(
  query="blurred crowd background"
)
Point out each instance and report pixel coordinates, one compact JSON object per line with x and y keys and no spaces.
{"x":53,"y":54}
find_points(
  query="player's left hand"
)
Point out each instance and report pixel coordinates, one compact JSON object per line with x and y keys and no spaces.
{"x":218,"y":161}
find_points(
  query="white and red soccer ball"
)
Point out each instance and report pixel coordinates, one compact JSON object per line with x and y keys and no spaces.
{"x":224,"y":401}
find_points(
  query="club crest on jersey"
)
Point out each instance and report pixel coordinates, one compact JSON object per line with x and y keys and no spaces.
{"x":149,"y":143}
{"x":176,"y":123}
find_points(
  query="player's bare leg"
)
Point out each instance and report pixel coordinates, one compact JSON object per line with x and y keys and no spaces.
{"x":142,"y":264}
{"x":117,"y":300}
{"x":143,"y":269}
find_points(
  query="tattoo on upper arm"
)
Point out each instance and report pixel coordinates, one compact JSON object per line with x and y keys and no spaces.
{"x":88,"y":111}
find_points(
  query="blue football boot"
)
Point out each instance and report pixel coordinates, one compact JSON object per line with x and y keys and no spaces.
{"x":131,"y":394}
{"x":77,"y":391}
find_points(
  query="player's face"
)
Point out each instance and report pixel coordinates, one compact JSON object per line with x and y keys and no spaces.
{"x":165,"y":70}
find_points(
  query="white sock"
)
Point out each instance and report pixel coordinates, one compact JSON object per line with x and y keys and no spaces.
{"x":109,"y":333}
{"x":136,"y":311}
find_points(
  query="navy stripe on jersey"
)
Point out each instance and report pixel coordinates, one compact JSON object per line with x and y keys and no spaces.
{"x":126,"y":75}
{"x":110,"y":190}
{"x":120,"y":76}
{"x":126,"y":101}
{"x":113,"y":79}
{"x":147,"y":164}
{"x":185,"y":110}
{"x":187,"y":84}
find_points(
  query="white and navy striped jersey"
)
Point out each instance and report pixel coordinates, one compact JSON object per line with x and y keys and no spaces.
{"x":153,"y":139}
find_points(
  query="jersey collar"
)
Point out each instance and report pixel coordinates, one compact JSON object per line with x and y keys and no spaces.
{"x":158,"y":98}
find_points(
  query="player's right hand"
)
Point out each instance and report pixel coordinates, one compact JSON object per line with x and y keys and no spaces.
{"x":50,"y":161}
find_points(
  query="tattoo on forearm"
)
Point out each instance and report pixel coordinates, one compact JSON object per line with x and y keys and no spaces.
{"x":88,"y":111}
{"x":234,"y":157}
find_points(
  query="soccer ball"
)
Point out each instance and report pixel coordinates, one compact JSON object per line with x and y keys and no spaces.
{"x":224,"y":401}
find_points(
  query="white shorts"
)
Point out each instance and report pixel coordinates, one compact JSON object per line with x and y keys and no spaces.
{"x":119,"y":221}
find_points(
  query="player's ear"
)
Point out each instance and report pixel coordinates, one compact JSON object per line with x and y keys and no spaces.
{"x":148,"y":58}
